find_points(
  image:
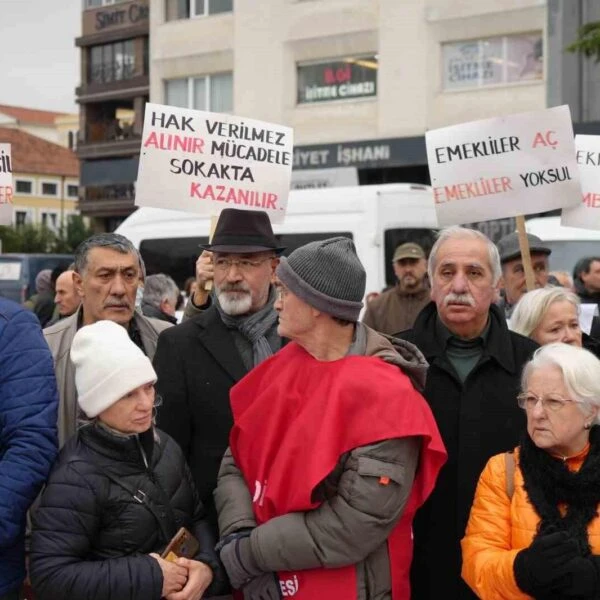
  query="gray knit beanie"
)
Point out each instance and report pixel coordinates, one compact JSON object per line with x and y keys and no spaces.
{"x":327,"y":275}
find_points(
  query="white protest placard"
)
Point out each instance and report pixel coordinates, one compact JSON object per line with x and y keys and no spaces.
{"x":586,"y":214}
{"x":6,"y":186}
{"x":587,"y":312}
{"x":202,"y":162}
{"x":503,"y":167}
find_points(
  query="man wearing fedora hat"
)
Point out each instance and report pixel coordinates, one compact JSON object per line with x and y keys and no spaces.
{"x":198,"y":361}
{"x":396,"y":309}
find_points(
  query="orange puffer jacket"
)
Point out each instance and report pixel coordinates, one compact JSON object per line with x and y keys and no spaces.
{"x":500,"y":526}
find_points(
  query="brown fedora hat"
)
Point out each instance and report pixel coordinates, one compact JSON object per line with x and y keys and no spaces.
{"x":243,"y":231}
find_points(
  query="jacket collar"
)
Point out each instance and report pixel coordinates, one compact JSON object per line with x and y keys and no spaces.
{"x":119,"y":447}
{"x":217,"y":340}
{"x":497,"y":343}
{"x":149,"y":310}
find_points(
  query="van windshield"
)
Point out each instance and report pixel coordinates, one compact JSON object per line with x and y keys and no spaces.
{"x":10,"y":269}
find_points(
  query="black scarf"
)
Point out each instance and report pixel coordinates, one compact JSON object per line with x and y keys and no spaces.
{"x":548,"y":483}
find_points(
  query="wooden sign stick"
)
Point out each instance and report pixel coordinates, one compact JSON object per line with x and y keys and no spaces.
{"x":213,"y":225}
{"x":525,"y":253}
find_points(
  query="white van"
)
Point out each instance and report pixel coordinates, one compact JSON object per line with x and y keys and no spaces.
{"x":378,"y":218}
{"x":568,"y":244}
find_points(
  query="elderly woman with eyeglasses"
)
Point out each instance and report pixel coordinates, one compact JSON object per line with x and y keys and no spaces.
{"x":119,"y":490}
{"x":534,"y":529}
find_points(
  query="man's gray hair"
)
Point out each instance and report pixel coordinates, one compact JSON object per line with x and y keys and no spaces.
{"x":532,"y":307}
{"x":580,"y":370}
{"x":112,"y":241}
{"x":160,"y":287}
{"x":463,"y":233}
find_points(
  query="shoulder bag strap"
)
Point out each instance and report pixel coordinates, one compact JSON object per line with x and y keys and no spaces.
{"x":164,"y":517}
{"x":509,"y":461}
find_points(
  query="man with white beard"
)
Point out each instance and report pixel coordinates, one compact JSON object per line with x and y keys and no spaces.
{"x":475,"y":366}
{"x":201,"y":359}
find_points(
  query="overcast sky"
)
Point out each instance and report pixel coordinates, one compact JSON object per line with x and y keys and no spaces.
{"x":39,"y":63}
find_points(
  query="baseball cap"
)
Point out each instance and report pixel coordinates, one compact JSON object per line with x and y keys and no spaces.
{"x":408,"y":250}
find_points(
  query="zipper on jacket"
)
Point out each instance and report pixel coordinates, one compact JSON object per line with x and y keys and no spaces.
{"x":141,"y":449}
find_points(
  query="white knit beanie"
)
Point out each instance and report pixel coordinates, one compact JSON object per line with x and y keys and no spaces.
{"x":108,"y":365}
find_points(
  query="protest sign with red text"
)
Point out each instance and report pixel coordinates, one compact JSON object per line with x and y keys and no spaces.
{"x":6,"y":186}
{"x":503,"y":167}
{"x":587,"y":212}
{"x":202,"y":162}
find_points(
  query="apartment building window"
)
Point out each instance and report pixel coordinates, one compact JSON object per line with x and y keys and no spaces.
{"x":22,"y":217}
{"x":72,"y":191}
{"x":489,"y":61}
{"x":210,"y":92}
{"x":191,"y":9}
{"x":24,"y":187}
{"x":49,"y":220}
{"x":337,"y":79}
{"x":112,"y":62}
{"x":49,"y":188}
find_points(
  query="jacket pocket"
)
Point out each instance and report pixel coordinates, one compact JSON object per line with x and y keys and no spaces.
{"x":373,"y":467}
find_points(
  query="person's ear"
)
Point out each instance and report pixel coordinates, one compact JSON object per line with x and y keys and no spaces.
{"x":274,"y":263}
{"x":499,"y":285}
{"x":78,"y":282}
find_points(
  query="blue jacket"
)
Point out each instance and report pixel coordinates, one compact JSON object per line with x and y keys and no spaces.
{"x":28,"y":441}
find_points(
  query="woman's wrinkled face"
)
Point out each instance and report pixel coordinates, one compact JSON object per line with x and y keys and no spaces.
{"x":133,"y":412}
{"x":555,"y":422}
{"x":560,"y":323}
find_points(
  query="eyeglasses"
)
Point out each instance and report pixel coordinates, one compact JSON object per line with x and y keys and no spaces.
{"x":243,"y":264}
{"x":553,"y":403}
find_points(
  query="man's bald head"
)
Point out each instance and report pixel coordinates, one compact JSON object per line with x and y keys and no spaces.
{"x":66,"y":297}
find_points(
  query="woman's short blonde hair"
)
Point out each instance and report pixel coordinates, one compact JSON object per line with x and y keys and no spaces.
{"x":580,"y":370}
{"x":532,"y":307}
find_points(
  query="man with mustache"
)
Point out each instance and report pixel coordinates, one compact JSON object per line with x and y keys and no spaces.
{"x":396,"y":309}
{"x":106,"y":277}
{"x":234,"y":330}
{"x":472,"y":385}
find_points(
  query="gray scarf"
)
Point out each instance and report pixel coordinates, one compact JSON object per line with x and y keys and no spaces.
{"x":253,"y":327}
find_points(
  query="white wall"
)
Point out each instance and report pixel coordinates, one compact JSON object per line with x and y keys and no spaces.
{"x":262,"y":41}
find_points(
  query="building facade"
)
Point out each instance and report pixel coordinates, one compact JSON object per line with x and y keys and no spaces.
{"x":572,"y":78}
{"x":359,"y":81}
{"x":113,"y":92}
{"x":45,"y":180}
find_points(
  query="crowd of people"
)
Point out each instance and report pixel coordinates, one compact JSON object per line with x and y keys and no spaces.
{"x":443,"y":447}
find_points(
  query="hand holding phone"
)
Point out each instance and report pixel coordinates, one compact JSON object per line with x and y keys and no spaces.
{"x":183,"y":544}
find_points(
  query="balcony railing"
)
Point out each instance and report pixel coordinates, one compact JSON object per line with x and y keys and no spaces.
{"x":109,"y":131}
{"x":110,"y":192}
{"x":113,"y":71}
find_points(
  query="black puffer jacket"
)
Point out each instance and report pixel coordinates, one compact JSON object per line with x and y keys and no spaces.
{"x":91,"y":537}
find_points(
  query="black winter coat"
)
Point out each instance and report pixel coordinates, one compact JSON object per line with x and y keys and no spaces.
{"x":197,"y":363}
{"x":91,"y":537}
{"x":477,"y":419}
